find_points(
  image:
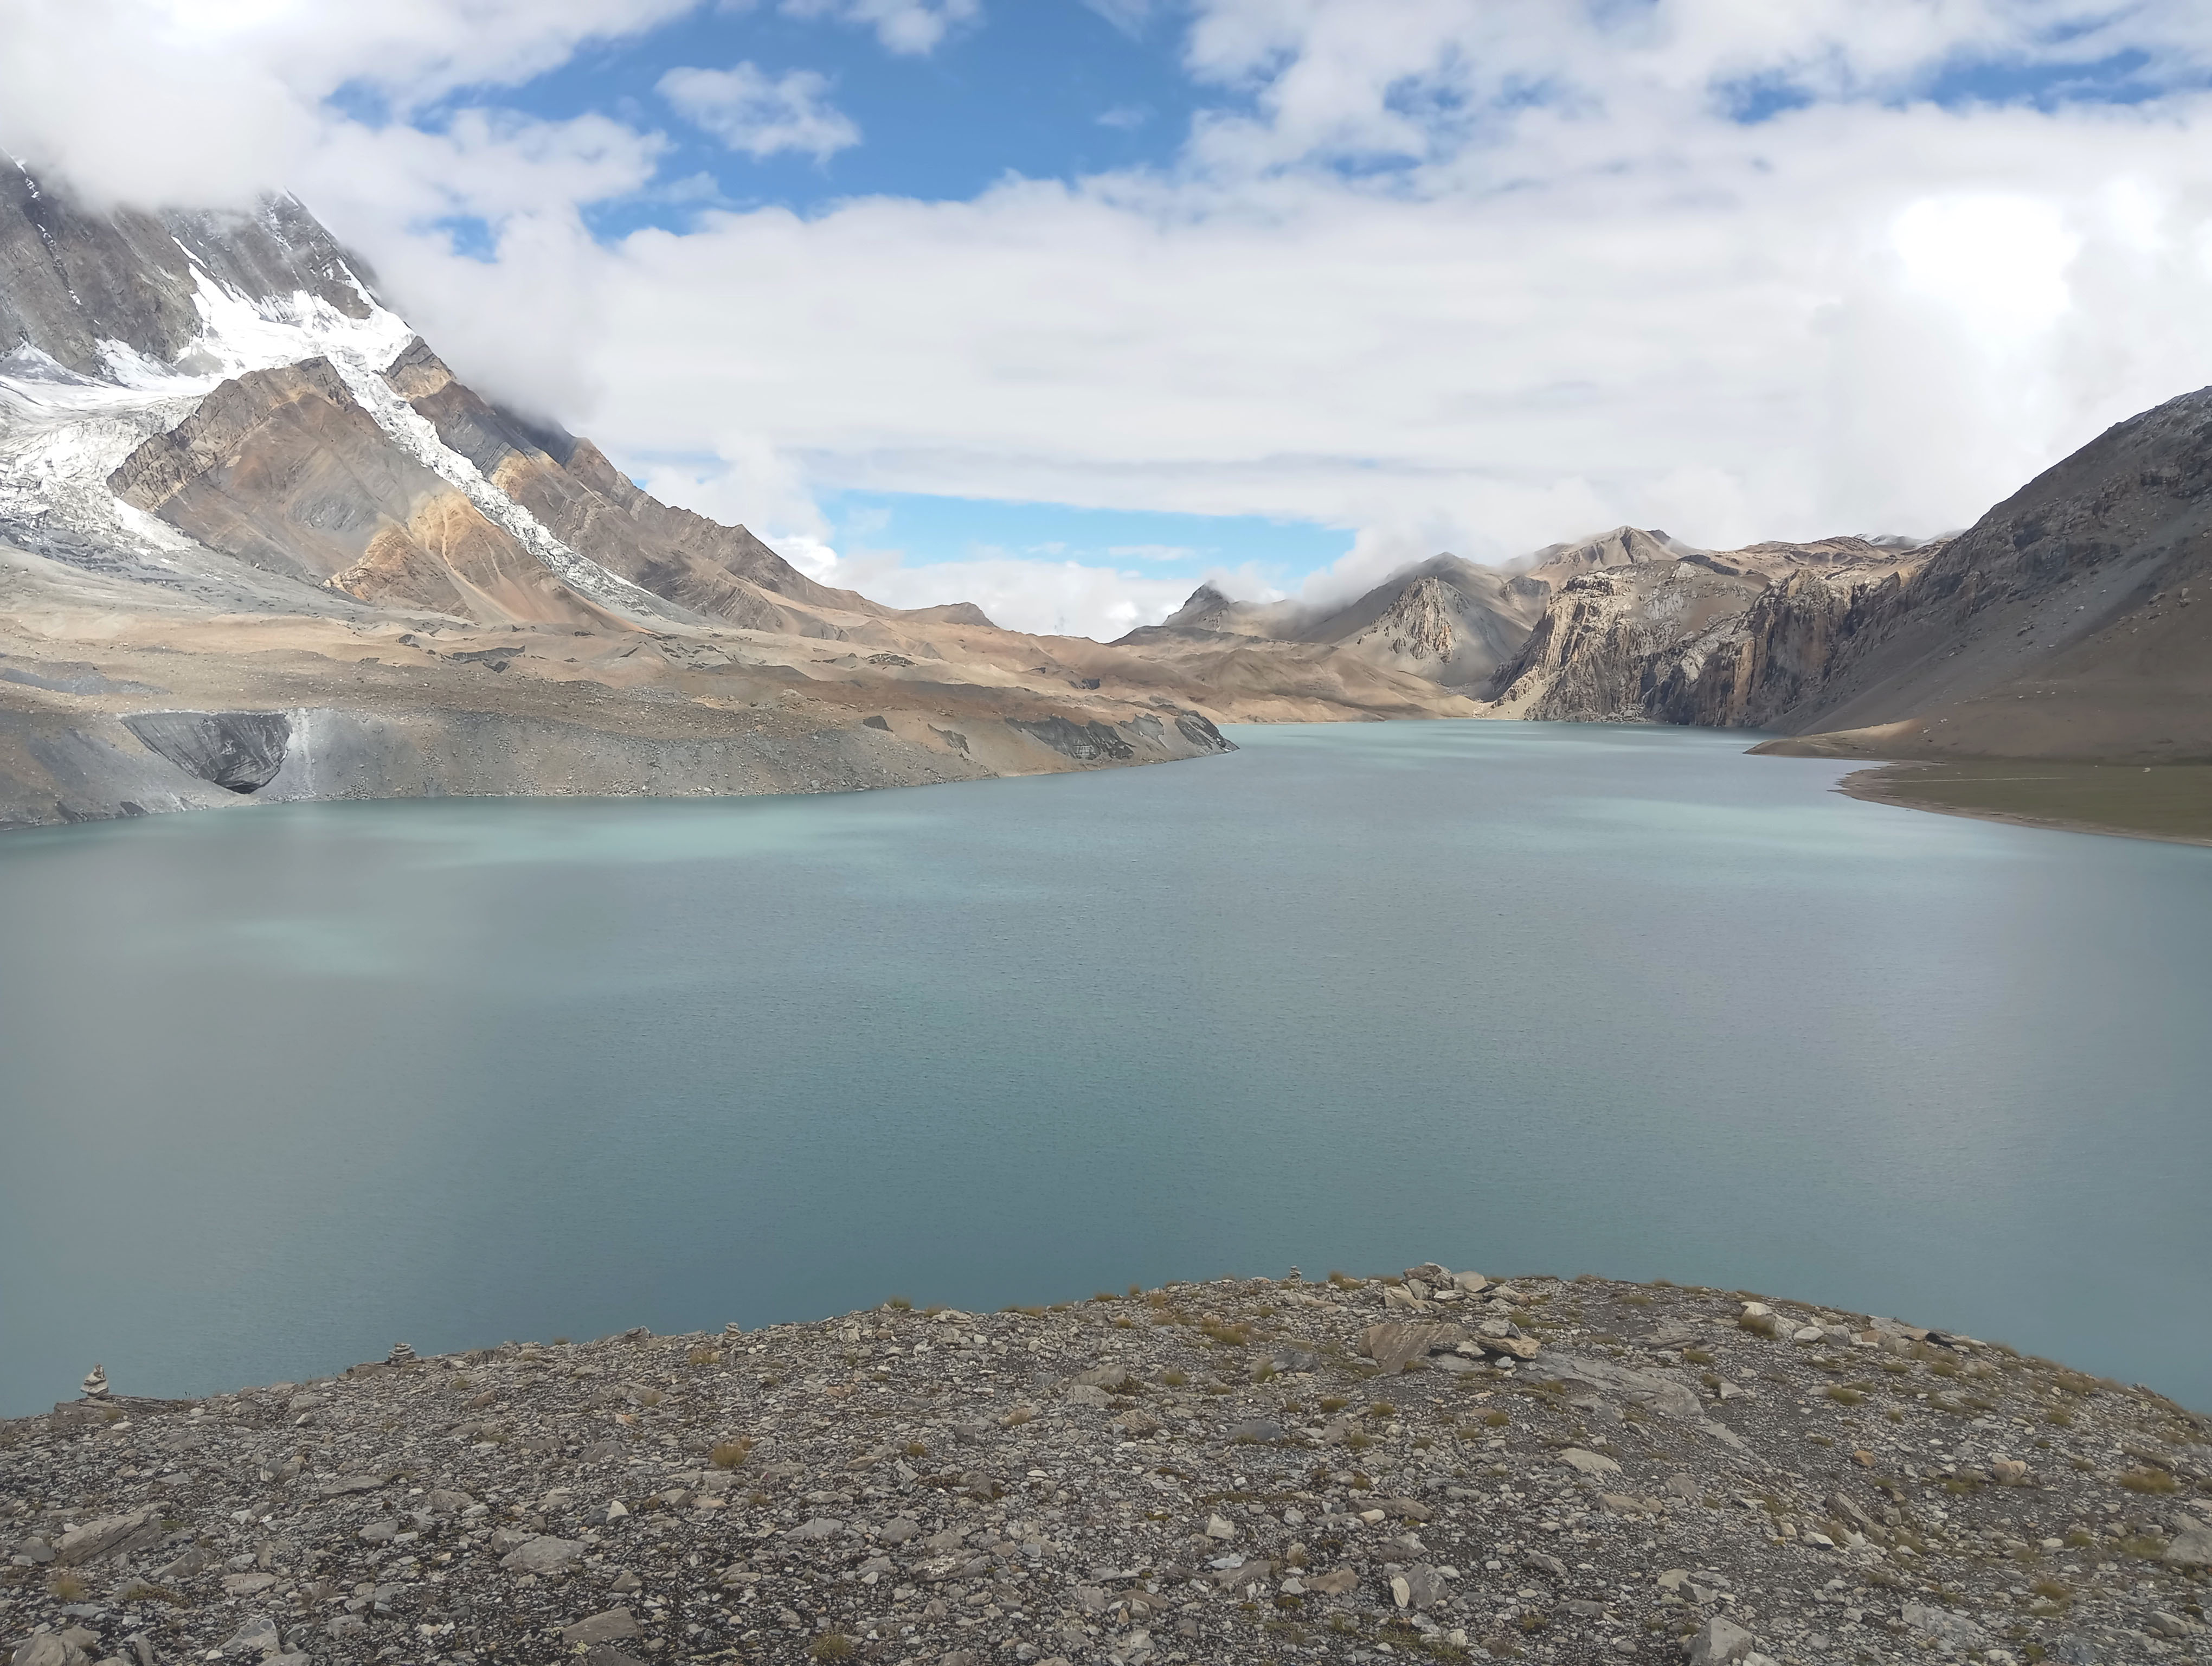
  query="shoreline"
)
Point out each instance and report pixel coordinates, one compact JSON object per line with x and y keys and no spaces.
{"x":1889,"y":783}
{"x":1430,"y":1465}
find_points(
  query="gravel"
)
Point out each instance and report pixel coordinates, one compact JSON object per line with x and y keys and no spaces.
{"x":1557,"y":1471}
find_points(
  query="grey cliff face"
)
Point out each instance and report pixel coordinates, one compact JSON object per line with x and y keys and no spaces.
{"x":238,"y":751}
{"x":71,"y":279}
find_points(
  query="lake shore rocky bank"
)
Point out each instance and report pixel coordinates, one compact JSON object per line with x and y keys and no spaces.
{"x":1431,"y":1466}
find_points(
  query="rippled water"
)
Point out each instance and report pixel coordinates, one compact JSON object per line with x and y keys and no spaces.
{"x":281,"y":1086}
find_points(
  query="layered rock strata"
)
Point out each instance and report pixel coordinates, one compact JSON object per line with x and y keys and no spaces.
{"x":1434,"y":1464}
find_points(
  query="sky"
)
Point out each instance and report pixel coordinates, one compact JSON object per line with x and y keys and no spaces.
{"x":1062,"y":306}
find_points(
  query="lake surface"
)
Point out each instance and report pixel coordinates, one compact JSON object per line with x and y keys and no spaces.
{"x":283,"y":1085}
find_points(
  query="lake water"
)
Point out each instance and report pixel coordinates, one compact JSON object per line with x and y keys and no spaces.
{"x":282,"y":1086}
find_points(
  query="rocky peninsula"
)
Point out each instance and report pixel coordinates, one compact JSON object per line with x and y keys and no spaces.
{"x":1430,"y":1466}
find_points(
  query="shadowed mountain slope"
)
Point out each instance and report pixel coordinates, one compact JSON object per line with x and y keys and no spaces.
{"x":2071,"y":621}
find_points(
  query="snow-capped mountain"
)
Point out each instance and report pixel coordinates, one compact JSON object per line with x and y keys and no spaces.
{"x":235,"y":481}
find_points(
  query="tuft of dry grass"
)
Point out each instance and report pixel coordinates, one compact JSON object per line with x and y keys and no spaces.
{"x":2148,"y":1480}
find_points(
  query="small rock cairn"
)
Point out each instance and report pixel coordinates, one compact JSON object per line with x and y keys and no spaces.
{"x":401,"y":1354}
{"x":95,"y":1383}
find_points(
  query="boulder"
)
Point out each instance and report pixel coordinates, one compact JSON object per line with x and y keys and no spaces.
{"x":544,"y":1554}
{"x":1396,"y":1345}
{"x":2190,"y":1548}
{"x":1588,"y":1463}
{"x":608,"y":1627}
{"x":1943,"y":1626}
{"x":1722,"y":1642}
{"x":48,"y":1649}
{"x":111,"y":1535}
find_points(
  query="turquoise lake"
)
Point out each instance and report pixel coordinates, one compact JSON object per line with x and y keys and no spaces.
{"x":282,"y":1086}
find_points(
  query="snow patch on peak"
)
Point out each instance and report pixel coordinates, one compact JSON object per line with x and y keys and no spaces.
{"x":62,"y":435}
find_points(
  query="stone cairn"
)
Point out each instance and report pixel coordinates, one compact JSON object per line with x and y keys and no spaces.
{"x":401,"y":1354}
{"x":95,"y":1383}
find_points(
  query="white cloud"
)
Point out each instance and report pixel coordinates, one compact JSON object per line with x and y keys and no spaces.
{"x":1752,"y":332}
{"x":762,"y":115}
{"x":1560,"y":290}
{"x":1129,"y":16}
{"x":1050,"y":598}
{"x":212,"y":102}
{"x":903,"y":25}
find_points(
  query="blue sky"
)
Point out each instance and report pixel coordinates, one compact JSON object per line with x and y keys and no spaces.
{"x":1064,"y":305}
{"x":1047,"y":89}
{"x":1044,"y":89}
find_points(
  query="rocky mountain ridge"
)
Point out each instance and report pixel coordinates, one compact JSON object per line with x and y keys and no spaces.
{"x":239,"y":495}
{"x":234,"y":481}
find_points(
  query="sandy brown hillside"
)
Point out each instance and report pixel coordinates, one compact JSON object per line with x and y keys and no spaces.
{"x":257,"y":539}
{"x":2069,"y":623}
{"x":1425,"y":642}
{"x":257,"y":542}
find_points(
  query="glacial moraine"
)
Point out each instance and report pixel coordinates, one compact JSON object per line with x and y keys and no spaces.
{"x":1432,"y":1465}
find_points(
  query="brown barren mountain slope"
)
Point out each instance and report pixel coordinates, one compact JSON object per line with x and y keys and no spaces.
{"x":283,"y":470}
{"x":256,"y":542}
{"x":233,"y":485}
{"x":2071,"y":622}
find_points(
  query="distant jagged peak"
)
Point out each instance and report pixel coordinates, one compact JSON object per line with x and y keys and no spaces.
{"x":1213,"y":608}
{"x":1206,"y":599}
{"x":1623,"y":546}
{"x":1418,"y":623}
{"x":962,"y":613}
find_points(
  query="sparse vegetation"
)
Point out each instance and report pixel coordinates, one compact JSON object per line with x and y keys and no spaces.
{"x":2148,"y":1480}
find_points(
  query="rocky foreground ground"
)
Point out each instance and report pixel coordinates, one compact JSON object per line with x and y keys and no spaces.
{"x":1428,"y":1467}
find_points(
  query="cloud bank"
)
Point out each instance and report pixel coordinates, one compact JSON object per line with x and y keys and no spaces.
{"x":1465,"y":274}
